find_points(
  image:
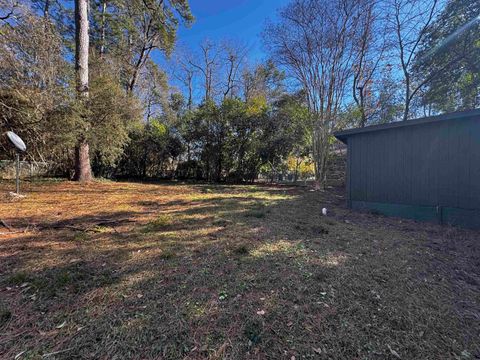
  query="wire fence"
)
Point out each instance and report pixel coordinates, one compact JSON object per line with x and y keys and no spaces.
{"x":28,"y":169}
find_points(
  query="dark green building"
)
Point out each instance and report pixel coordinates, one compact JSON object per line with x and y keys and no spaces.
{"x":424,"y":169}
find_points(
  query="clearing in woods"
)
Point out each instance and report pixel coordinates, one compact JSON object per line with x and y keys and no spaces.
{"x":173,"y":271}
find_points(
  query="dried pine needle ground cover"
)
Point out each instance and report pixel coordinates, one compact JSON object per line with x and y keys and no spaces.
{"x":169,"y":271}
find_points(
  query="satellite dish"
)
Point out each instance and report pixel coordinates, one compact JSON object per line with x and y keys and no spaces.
{"x":16,"y":141}
{"x":20,"y":146}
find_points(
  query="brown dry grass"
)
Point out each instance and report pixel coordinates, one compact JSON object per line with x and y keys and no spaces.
{"x":228,"y":272}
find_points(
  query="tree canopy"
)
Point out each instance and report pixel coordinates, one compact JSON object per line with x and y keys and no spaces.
{"x":210,"y":112}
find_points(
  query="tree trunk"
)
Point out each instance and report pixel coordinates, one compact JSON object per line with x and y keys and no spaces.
{"x":190,"y":93}
{"x":144,"y":55}
{"x":103,"y":31}
{"x":363,"y":122}
{"x":46,"y":10}
{"x":219,"y":163}
{"x":320,"y":154}
{"x":83,"y":170}
{"x":406,"y":110}
{"x":295,"y":175}
{"x":133,"y":80}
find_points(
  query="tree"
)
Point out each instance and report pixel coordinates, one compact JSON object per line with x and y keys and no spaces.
{"x":185,"y":72}
{"x":453,"y":39}
{"x":116,"y":114}
{"x":131,"y":30}
{"x":314,"y":41}
{"x":409,"y":21}
{"x":219,"y":66}
{"x":389,"y":98}
{"x":234,"y":57}
{"x":151,"y":24}
{"x":207,"y":65}
{"x":7,"y":9}
{"x":151,"y":151}
{"x":111,"y":113}
{"x":287,"y":132}
{"x":242,"y":146}
{"x":45,"y":7}
{"x":265,"y":80}
{"x":154,"y":91}
{"x":369,"y":49}
{"x":83,"y":170}
{"x":33,"y":72}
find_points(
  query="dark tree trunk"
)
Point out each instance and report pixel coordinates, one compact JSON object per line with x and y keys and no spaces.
{"x":190,"y":92}
{"x":144,"y":55}
{"x":46,"y":10}
{"x":295,"y":175}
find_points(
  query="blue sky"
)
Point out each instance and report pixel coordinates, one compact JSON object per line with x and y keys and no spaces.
{"x":232,"y":19}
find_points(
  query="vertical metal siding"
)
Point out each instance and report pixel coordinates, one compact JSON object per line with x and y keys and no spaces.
{"x":462,"y":159}
{"x":432,"y":164}
{"x":474,"y":166}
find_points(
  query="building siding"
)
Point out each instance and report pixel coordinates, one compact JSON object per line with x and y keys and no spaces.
{"x":429,"y":170}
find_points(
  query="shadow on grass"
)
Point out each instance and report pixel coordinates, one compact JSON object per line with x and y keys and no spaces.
{"x":204,"y":277}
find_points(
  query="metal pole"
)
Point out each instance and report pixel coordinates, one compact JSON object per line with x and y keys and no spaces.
{"x":18,"y":173}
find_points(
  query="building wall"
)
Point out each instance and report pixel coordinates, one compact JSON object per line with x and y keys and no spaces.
{"x":429,"y":171}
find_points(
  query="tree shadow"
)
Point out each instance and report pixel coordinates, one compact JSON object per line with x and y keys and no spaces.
{"x":214,"y":279}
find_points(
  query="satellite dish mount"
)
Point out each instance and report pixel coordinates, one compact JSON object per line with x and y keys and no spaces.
{"x":20,"y":146}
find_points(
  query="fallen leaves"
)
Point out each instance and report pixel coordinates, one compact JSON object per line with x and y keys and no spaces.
{"x":289,"y":294}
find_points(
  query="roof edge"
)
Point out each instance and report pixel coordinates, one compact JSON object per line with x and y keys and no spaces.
{"x":344,"y":134}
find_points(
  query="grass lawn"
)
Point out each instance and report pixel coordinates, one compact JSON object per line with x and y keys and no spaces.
{"x":170,"y":271}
